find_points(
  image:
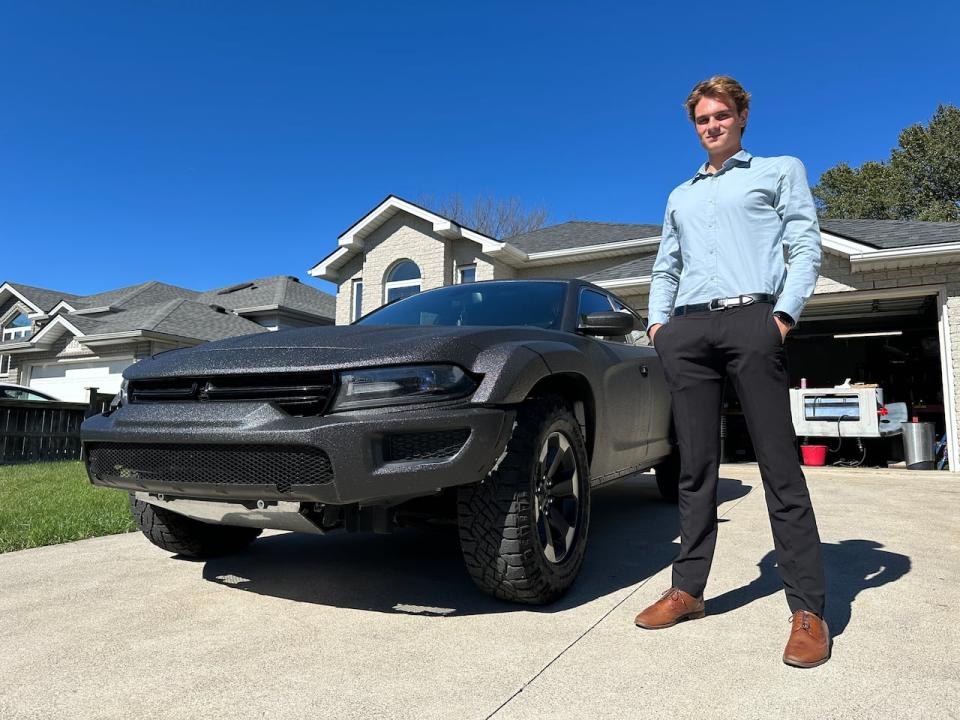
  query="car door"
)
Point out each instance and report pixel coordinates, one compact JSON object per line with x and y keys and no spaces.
{"x":656,"y":402}
{"x":623,"y":418}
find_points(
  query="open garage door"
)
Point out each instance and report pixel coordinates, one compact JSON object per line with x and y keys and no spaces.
{"x":891,"y":339}
{"x":69,"y":381}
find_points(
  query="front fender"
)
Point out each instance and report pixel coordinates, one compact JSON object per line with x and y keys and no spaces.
{"x":562,"y":358}
{"x":510,"y":371}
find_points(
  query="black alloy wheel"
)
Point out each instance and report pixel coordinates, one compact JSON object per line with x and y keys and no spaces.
{"x":557,"y":507}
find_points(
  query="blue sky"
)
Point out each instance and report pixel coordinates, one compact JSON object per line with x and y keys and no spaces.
{"x":202,"y":144}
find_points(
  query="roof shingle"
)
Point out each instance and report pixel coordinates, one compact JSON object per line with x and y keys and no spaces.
{"x":577,"y":233}
{"x":282,"y":291}
{"x":638,"y":267}
{"x":889,"y":234}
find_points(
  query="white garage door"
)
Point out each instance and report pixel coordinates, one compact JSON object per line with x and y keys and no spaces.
{"x":68,"y":381}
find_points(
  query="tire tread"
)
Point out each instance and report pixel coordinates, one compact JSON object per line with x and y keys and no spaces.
{"x":496,"y":530}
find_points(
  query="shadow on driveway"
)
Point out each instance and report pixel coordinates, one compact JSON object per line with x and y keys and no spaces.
{"x":851,"y":566}
{"x":421,"y":572}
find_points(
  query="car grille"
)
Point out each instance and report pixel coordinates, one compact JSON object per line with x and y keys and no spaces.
{"x":299,"y":394}
{"x":283,"y":466}
{"x":438,"y":445}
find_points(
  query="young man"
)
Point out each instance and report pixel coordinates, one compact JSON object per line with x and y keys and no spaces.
{"x":722,"y":301}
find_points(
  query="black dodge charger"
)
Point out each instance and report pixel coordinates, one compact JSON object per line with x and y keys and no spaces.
{"x":497,"y":405}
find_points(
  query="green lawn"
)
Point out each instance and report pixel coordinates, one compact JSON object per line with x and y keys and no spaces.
{"x":49,"y":503}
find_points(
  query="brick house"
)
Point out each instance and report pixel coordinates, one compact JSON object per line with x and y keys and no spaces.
{"x":889,"y":289}
{"x":63,"y":343}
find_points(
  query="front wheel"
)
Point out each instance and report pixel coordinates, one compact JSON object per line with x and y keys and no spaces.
{"x":523,"y":529}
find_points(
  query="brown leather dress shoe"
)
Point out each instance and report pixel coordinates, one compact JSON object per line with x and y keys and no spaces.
{"x":809,"y":643}
{"x":674,"y":606}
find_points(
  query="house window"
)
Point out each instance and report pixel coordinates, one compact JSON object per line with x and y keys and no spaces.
{"x":467,"y":274}
{"x":357,"y":307}
{"x":18,"y":328}
{"x":402,"y":281}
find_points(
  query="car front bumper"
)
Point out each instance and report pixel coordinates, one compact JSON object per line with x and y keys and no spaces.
{"x":233,"y":451}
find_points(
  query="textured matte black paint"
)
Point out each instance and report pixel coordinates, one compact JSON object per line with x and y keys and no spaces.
{"x":629,"y":396}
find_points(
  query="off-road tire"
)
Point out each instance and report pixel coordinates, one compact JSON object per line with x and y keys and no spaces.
{"x":668,"y":477}
{"x":185,"y":536}
{"x":496,"y":517}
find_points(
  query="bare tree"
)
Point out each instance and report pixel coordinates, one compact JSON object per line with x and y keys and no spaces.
{"x":496,"y":217}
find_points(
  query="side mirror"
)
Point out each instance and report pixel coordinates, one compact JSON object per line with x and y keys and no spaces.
{"x":607,"y":324}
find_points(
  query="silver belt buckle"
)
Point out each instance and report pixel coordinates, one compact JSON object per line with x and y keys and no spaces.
{"x":717,"y":304}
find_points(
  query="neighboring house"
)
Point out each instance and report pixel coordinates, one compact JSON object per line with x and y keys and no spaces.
{"x":64,"y":343}
{"x":883,"y":277}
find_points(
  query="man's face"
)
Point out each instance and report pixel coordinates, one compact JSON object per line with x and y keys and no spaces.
{"x":719,"y":125}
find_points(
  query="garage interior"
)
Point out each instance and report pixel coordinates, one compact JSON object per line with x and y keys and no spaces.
{"x":892,"y":342}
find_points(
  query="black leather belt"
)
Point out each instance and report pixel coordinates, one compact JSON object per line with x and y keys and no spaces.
{"x":718,"y":304}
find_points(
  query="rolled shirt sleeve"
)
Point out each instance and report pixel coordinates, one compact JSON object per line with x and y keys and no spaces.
{"x":801,"y":238}
{"x":665,"y":277}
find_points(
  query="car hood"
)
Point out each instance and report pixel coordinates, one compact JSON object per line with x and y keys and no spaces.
{"x":333,"y":348}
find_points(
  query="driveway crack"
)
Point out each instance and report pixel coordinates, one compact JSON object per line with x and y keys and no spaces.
{"x":603,"y":617}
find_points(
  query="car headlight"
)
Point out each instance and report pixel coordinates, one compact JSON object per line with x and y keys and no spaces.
{"x":373,"y":387}
{"x":120,"y":399}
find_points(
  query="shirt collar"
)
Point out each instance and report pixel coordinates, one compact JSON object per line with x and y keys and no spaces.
{"x":740,"y":158}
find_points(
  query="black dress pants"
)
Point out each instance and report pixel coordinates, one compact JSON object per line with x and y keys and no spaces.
{"x":699,"y":351}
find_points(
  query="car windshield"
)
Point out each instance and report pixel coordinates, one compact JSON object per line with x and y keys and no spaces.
{"x":539,"y":304}
{"x":14,"y":393}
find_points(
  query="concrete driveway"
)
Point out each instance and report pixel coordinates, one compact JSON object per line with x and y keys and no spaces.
{"x":391,"y":627}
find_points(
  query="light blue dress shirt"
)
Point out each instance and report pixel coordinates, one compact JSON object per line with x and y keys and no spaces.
{"x":724,"y":235}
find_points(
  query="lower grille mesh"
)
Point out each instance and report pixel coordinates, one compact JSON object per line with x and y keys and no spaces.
{"x":282,"y":466}
{"x":424,"y":445}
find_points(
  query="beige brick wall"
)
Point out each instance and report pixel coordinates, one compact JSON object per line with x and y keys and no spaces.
{"x":408,"y":237}
{"x":489,"y":269}
{"x":403,"y":237}
{"x":353,"y":270}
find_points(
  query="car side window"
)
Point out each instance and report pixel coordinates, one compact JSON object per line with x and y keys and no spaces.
{"x":592,"y":301}
{"x":636,"y":337}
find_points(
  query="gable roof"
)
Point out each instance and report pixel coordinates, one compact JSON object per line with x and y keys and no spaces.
{"x":580,"y":233}
{"x":41,"y":298}
{"x":176,"y":319}
{"x":351,"y":241}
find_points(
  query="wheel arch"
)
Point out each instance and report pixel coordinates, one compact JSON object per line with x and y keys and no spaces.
{"x":576,"y":389}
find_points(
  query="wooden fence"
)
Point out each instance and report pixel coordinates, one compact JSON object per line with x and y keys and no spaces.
{"x":33,"y":431}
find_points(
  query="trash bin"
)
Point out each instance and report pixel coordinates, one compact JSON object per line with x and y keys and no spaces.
{"x":918,"y":448}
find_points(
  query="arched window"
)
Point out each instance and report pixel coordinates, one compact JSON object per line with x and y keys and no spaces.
{"x":402,"y":281}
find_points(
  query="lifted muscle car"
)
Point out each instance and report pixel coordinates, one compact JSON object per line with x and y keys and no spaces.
{"x":501,"y":403}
